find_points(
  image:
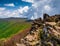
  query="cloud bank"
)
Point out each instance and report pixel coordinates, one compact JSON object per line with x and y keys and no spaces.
{"x":37,"y":9}
{"x":20,"y":12}
{"x":1,"y":8}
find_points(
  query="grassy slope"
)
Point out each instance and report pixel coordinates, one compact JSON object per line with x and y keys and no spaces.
{"x":7,"y":29}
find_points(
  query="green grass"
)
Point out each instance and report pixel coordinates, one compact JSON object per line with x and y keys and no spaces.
{"x":8,"y":29}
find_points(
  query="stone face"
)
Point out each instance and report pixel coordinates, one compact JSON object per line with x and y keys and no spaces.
{"x":45,"y":17}
{"x":53,"y":18}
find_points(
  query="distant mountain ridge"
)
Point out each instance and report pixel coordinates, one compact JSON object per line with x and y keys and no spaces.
{"x":13,"y":19}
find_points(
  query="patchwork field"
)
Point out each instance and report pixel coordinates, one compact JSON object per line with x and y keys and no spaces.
{"x":10,"y":28}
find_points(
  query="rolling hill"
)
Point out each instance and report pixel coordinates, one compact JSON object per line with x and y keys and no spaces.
{"x":10,"y":26}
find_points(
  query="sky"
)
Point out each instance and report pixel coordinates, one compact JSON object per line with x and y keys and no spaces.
{"x":30,"y":9}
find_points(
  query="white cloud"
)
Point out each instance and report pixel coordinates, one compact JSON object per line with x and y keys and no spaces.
{"x":47,"y":7}
{"x":8,"y":13}
{"x":1,"y":8}
{"x":32,"y":18}
{"x":30,"y":1}
{"x":4,"y":13}
{"x":11,"y":4}
{"x":23,"y":9}
{"x":20,"y":12}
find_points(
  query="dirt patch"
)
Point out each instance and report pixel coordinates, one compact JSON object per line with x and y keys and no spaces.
{"x":16,"y":38}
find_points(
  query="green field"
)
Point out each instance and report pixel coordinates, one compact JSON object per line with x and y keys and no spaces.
{"x":8,"y":29}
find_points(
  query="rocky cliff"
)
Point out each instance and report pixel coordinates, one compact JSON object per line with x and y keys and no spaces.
{"x":52,"y":18}
{"x":43,"y":32}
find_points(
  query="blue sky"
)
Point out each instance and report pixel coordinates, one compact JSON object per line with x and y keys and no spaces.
{"x":13,"y":4}
{"x":30,"y":9}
